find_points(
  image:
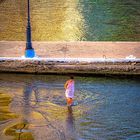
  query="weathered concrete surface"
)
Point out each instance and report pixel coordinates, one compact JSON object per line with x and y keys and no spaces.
{"x":80,"y":50}
{"x":72,"y":49}
{"x":43,"y":66}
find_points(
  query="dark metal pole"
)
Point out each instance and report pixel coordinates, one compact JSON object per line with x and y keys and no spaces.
{"x":29,"y":52}
{"x":28,"y":43}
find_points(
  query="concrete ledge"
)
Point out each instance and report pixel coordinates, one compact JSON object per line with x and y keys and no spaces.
{"x":63,"y":65}
{"x":72,"y":49}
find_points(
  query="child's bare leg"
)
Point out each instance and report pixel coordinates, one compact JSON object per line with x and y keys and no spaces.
{"x":69,"y":101}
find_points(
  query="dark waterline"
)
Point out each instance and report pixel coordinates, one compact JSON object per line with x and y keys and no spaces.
{"x":108,"y":108}
{"x":71,"y":20}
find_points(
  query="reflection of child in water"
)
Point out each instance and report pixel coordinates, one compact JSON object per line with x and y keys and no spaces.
{"x":69,"y":93}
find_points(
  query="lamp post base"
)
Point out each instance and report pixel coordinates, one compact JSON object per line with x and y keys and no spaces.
{"x":29,"y":53}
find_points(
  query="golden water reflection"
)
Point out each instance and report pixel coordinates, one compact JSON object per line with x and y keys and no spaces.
{"x":19,"y":131}
{"x":57,"y":20}
{"x":50,"y":20}
{"x":71,"y":20}
{"x":34,"y":107}
{"x":5,"y":114}
{"x":39,"y":111}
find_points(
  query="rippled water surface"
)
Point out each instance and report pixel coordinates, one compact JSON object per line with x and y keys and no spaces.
{"x":71,"y":20}
{"x":33,"y":107}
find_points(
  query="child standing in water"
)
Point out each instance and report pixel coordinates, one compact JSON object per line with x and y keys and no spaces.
{"x":69,"y":93}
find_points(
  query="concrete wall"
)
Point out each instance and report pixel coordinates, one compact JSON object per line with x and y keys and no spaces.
{"x":43,"y":66}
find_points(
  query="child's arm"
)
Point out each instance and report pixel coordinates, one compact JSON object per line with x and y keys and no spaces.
{"x":65,"y":85}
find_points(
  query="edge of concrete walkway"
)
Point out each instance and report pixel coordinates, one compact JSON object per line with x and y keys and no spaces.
{"x":98,"y":66}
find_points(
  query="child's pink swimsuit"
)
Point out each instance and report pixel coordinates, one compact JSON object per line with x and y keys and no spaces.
{"x":70,"y":90}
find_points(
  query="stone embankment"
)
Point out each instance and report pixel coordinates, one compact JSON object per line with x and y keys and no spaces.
{"x":77,"y":66}
{"x":72,"y":57}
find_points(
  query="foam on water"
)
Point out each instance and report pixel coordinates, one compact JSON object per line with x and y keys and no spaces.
{"x":130,"y":58}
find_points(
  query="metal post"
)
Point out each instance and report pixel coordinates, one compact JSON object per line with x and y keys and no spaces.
{"x":29,"y":51}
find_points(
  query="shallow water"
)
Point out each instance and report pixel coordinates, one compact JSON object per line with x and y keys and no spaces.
{"x":71,"y":20}
{"x":34,"y":107}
